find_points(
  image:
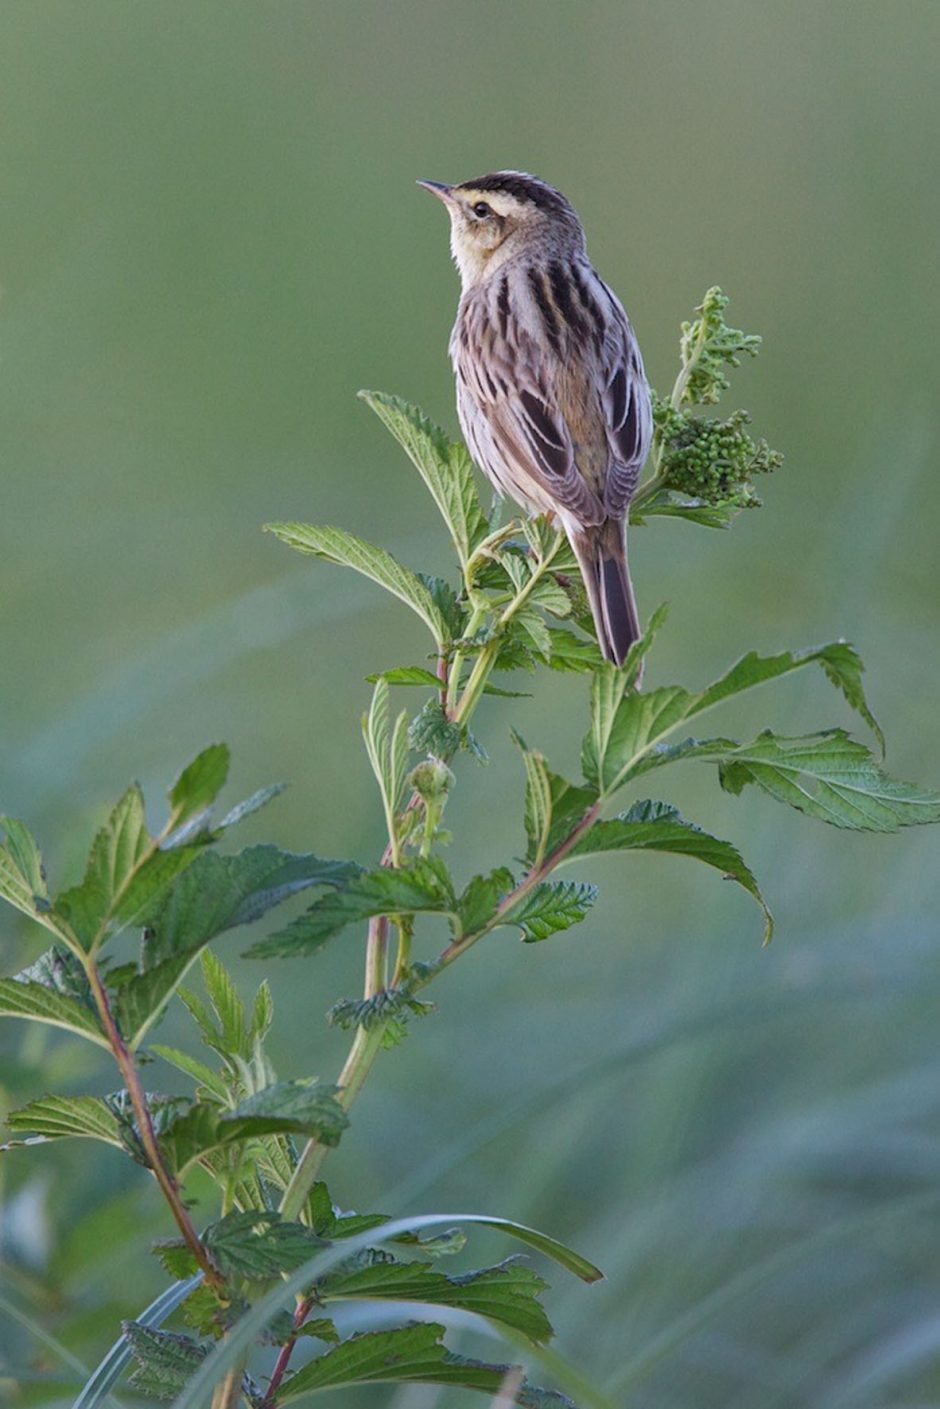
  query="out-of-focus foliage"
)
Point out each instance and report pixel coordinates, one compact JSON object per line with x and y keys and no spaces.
{"x":207,"y":243}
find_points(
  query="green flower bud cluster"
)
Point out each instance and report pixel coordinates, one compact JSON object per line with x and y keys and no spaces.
{"x":711,"y":460}
{"x":707,"y":345}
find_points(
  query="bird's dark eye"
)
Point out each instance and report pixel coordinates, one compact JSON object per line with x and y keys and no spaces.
{"x":482,"y":209}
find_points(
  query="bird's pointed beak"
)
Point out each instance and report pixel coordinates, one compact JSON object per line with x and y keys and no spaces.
{"x":438,"y":188}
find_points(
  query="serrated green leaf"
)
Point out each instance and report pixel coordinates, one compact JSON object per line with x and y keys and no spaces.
{"x":22,"y":878}
{"x":242,"y":1335}
{"x":199,"y":784}
{"x":249,"y":806}
{"x":507,"y":1293}
{"x":407,"y":675}
{"x":334,"y":545}
{"x":35,"y":1001}
{"x":446,"y":1244}
{"x":552,"y":906}
{"x":655,"y":826}
{"x":203,"y":1075}
{"x":573,"y":653}
{"x":387,"y":747}
{"x":538,"y":800}
{"x":840,"y":662}
{"x":551,"y":597}
{"x":229,"y":1008}
{"x":116,"y":854}
{"x":831,"y":777}
{"x":207,"y":1316}
{"x":189,"y":1134}
{"x":445,"y":467}
{"x":671,"y":503}
{"x":59,"y":1117}
{"x":217,"y":893}
{"x":321,"y":1328}
{"x":299,"y":1107}
{"x":257,"y":1244}
{"x":175,"y":1256}
{"x":262,"y":1014}
{"x":413,"y":1354}
{"x":534,"y":632}
{"x":390,"y":1005}
{"x":421,"y":885}
{"x":164,"y":1360}
{"x":480,"y":899}
{"x":111,"y":1367}
{"x":624,"y":724}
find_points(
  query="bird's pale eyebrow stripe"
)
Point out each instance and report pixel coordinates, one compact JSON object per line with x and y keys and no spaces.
{"x":544,"y":304}
{"x":561,"y":290}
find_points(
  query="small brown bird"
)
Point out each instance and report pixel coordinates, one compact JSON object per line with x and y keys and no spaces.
{"x":551,"y":393}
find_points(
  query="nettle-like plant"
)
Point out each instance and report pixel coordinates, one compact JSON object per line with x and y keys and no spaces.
{"x":276,"y":1260}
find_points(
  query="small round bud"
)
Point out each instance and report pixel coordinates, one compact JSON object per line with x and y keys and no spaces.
{"x":432,"y":780}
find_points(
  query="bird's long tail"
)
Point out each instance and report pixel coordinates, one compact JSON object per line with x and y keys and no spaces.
{"x":602,"y":554}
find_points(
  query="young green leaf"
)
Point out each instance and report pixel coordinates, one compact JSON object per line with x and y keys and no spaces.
{"x":708,"y":345}
{"x":422,"y":884}
{"x":334,"y":545}
{"x":553,"y":805}
{"x":550,"y":907}
{"x":445,"y":467}
{"x":229,"y":1008}
{"x":164,"y":1360}
{"x":407,"y":1354}
{"x":203,"y":1075}
{"x":329,"y":1222}
{"x":508,"y":1293}
{"x":387,"y":748}
{"x":831,"y":777}
{"x":257,"y":1244}
{"x":198,"y":786}
{"x":538,"y":801}
{"x":390,"y":1006}
{"x":655,"y":826}
{"x":57,"y":1117}
{"x":116,"y":856}
{"x":109,"y":1370}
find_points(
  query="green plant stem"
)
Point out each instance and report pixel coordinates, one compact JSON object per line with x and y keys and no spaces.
{"x":368,"y":1041}
{"x":477,"y":617}
{"x":128,"y":1069}
{"x":356,"y":1068}
{"x":485,"y":661}
{"x":530,"y":880}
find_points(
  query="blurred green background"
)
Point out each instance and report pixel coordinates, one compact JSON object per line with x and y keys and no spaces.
{"x":209,"y":239}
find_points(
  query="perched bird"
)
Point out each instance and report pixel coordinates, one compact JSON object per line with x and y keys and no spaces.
{"x":551,"y":393}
